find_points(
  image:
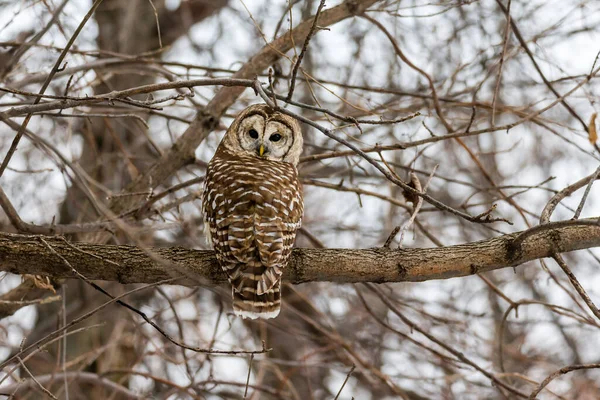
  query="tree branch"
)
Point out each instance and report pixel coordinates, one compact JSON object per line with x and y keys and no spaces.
{"x":26,"y":254}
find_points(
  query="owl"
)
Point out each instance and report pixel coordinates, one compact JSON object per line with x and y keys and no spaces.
{"x":252,"y":206}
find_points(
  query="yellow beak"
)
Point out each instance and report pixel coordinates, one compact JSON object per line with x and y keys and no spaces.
{"x":261,"y":150}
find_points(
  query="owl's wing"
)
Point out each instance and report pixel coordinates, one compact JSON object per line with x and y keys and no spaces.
{"x":276,"y":233}
{"x":259,"y":233}
{"x":277,"y":226}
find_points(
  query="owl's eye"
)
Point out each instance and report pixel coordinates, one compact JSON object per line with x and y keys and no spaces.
{"x":276,"y":137}
{"x":253,"y":134}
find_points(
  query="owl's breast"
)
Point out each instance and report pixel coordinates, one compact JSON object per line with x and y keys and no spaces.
{"x":254,"y":208}
{"x":252,"y":189}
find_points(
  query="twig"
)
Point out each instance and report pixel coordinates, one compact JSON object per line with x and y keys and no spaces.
{"x":502,"y":60}
{"x":351,"y":120}
{"x":248,"y":378}
{"x":92,"y":115}
{"x":190,"y":373}
{"x":345,"y":381}
{"x":544,"y":221}
{"x":45,"y":300}
{"x":38,"y":384}
{"x":392,"y":236}
{"x":560,"y":196}
{"x":64,"y":341}
{"x":313,"y":28}
{"x":575,"y":283}
{"x":402,"y":56}
{"x":271,"y":87}
{"x":594,"y":63}
{"x":160,"y":45}
{"x":593,"y":177}
{"x":558,"y":373}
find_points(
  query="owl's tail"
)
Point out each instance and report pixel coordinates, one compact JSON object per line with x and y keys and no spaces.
{"x":247,"y":303}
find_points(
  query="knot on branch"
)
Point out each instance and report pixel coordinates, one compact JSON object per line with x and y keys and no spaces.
{"x":353,"y":7}
{"x":513,"y":249}
{"x":208,"y":121}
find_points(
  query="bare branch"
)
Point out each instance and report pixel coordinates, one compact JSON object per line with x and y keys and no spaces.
{"x":312,"y":31}
{"x":556,"y":374}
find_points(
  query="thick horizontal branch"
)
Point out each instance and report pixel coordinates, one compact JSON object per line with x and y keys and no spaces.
{"x":24,"y":254}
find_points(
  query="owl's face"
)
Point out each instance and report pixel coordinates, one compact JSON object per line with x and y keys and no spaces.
{"x":261,"y":132}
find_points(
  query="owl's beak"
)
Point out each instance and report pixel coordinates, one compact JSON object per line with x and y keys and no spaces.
{"x":261,"y":150}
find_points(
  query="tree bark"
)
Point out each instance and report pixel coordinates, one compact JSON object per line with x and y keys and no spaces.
{"x":23,"y":254}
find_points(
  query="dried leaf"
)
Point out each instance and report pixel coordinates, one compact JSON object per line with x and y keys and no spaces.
{"x":41,"y":282}
{"x":415,"y":184}
{"x":593,"y":135}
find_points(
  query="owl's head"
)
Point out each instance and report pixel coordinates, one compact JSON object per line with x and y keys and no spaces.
{"x":262,"y":132}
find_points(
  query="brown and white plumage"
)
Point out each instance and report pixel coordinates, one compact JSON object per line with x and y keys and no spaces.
{"x":252,"y":206}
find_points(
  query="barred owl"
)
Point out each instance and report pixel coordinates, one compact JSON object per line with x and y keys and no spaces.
{"x":252,"y":206}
